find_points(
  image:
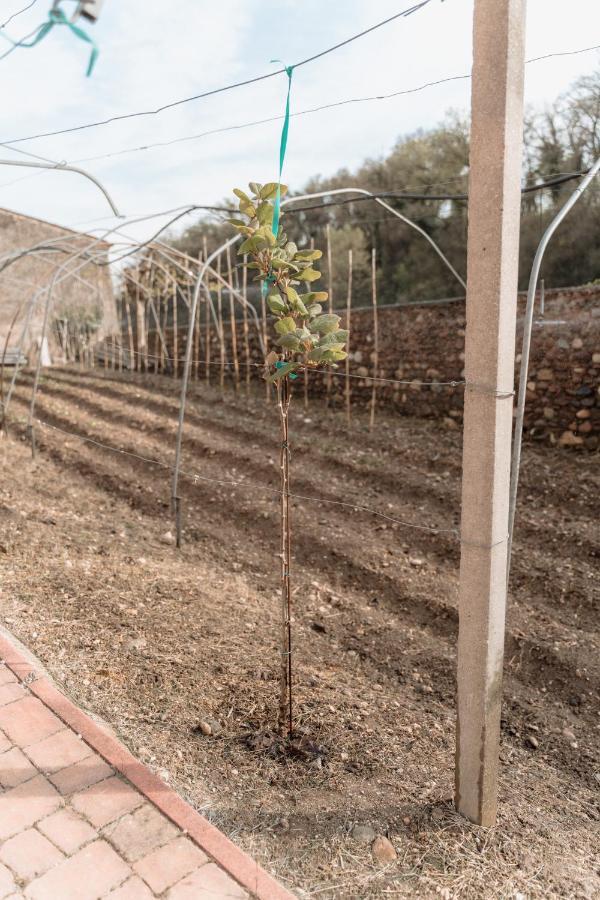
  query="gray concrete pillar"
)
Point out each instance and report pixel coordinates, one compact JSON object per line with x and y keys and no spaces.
{"x":493,"y":244}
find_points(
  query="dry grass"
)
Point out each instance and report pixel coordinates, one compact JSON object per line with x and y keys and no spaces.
{"x":153,"y":641}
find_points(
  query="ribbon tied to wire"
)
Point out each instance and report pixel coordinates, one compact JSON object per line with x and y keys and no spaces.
{"x":57,"y":17}
{"x":289,"y":70}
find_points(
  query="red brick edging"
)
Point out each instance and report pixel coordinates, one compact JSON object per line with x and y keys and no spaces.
{"x":225,"y":853}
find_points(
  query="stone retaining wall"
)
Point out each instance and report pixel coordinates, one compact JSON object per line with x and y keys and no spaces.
{"x":425,"y":343}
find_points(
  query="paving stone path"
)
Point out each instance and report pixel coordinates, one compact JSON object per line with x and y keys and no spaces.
{"x":72,"y":827}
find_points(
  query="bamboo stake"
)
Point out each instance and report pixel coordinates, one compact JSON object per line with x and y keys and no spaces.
{"x":207,"y":339}
{"x":285,"y":719}
{"x":246,"y":330}
{"x":236,"y":364}
{"x":132,"y":357}
{"x":157,"y":341}
{"x":164,"y":305}
{"x":175,"y":343}
{"x":220,"y":321}
{"x":139,"y":329}
{"x":146,"y":321}
{"x":375,"y":336}
{"x":120,"y":307}
{"x":330,"y":291}
{"x":348,"y":318}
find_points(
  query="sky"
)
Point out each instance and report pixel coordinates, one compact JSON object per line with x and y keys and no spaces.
{"x":153,"y":52}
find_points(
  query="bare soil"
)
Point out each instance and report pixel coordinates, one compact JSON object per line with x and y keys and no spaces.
{"x":156,"y":640}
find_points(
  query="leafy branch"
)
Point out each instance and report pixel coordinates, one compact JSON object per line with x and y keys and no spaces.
{"x":307,"y":338}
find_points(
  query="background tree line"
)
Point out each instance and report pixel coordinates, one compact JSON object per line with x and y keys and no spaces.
{"x":563,"y":138}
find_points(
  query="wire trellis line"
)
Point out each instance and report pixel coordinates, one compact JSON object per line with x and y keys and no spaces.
{"x":468,"y":385}
{"x":204,"y":362}
{"x":195,"y":478}
{"x":18,"y":13}
{"x":229,"y":87}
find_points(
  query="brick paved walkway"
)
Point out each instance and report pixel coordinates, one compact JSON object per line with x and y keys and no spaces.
{"x":73,"y":827}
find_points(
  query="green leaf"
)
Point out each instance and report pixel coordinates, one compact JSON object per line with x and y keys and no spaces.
{"x":242,"y":196}
{"x":283,"y":326}
{"x":334,"y":355}
{"x":247,"y":246}
{"x":309,"y":255}
{"x":255,"y":187}
{"x":299,"y":305}
{"x":334,"y":337}
{"x":276,"y":304}
{"x":278,"y":263}
{"x":324,"y":324}
{"x":315,"y":296}
{"x":248,"y":209}
{"x":268,"y":191}
{"x":289,"y":341}
{"x":291,"y":248}
{"x":237,"y":222}
{"x":292,"y":293}
{"x":267,"y":235}
{"x":333,"y":346}
{"x":314,"y":310}
{"x":264,"y":213}
{"x":308,"y":275}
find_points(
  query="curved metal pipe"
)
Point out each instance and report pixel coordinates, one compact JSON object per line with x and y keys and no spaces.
{"x":64,"y":168}
{"x":526,"y":345}
{"x":188,"y":360}
{"x":389,"y":208}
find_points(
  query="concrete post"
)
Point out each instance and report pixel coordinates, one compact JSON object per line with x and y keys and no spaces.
{"x":493,"y":242}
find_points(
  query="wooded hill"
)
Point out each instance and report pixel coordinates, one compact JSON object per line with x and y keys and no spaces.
{"x":563,"y":138}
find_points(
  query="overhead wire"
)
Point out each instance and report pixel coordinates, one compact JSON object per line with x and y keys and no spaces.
{"x":310,"y":111}
{"x":18,"y":13}
{"x":220,"y":90}
{"x":20,"y":42}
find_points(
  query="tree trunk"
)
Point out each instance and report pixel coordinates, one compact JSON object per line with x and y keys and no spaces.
{"x":348,"y":320}
{"x":285,"y":719}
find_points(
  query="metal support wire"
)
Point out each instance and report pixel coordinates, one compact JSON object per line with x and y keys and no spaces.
{"x":527,"y":329}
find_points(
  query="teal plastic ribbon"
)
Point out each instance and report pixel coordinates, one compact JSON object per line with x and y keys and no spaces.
{"x":289,"y":70}
{"x":280,"y":364}
{"x":57,"y":17}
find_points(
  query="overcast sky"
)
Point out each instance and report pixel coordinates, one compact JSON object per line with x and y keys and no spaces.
{"x":154,"y":52}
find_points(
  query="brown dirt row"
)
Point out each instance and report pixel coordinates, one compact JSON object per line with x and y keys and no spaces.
{"x":154,"y":640}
